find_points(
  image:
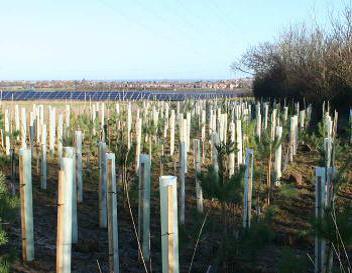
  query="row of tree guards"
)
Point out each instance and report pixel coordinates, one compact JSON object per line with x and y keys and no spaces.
{"x":173,"y":124}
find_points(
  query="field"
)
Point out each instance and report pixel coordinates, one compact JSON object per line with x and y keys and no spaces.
{"x":261,"y":186}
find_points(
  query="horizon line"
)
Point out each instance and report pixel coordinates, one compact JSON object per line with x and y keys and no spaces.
{"x":135,"y":80}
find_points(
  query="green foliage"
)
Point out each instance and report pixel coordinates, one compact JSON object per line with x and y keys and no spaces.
{"x":155,"y":136}
{"x":124,"y":156}
{"x":265,"y":145}
{"x":67,"y":141}
{"x":225,"y":191}
{"x":13,"y":137}
{"x":256,"y":238}
{"x":3,"y":237}
{"x":339,"y":148}
{"x":220,"y":185}
{"x":15,"y":134}
{"x":8,"y":203}
{"x":321,"y":132}
{"x":8,"y":208}
{"x":147,"y":128}
{"x":248,"y":129}
{"x":336,"y":223}
{"x":290,"y":262}
{"x":259,"y":235}
{"x":195,"y":125}
{"x":288,"y":191}
{"x":335,"y":226}
{"x":2,"y":149}
{"x":4,"y":160}
{"x":263,"y":149}
{"x":160,"y":129}
{"x":4,"y":265}
{"x":342,"y":177}
{"x":187,"y":106}
{"x":86,"y":125}
{"x":313,"y":140}
{"x":188,"y":234}
{"x":1,"y":119}
{"x":247,"y":244}
{"x":133,"y":190}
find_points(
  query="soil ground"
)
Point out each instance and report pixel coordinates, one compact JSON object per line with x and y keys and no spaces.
{"x":292,"y":218}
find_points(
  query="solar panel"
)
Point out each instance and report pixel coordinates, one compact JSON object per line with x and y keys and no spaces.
{"x":116,"y":95}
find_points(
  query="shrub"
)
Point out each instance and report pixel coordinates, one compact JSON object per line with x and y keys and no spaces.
{"x":289,"y":262}
{"x":8,"y":207}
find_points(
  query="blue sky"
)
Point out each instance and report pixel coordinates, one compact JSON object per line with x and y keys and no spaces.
{"x":140,"y":39}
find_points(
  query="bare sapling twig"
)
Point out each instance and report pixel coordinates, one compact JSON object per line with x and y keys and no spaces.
{"x":99,"y":268}
{"x":197,"y":241}
{"x":134,"y":228}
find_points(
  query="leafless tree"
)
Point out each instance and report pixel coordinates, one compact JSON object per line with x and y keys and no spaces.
{"x":309,"y":62}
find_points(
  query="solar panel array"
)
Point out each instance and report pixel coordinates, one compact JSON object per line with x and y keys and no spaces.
{"x":116,"y":95}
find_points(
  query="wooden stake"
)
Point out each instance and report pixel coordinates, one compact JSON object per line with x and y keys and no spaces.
{"x":182,"y":181}
{"x":172,"y":132}
{"x":214,"y":142}
{"x":102,"y":186}
{"x":239,"y":142}
{"x":138,"y":141}
{"x":203,"y":123}
{"x":17,"y":120}
{"x":169,"y":224}
{"x":43,"y":161}
{"x":232,"y":154}
{"x":129,"y":125}
{"x":258,"y":121}
{"x":64,"y":216}
{"x":144,"y":205}
{"x":112,"y":214}
{"x":273,"y":124}
{"x":23,"y":128}
{"x":67,"y":120}
{"x":248,"y":184}
{"x":320,"y":205}
{"x":328,"y":148}
{"x":266,"y":114}
{"x":60,"y":131}
{"x":278,"y":156}
{"x":197,"y":168}
{"x":79,"y":165}
{"x":25,"y":166}
{"x":52,"y":126}
{"x":7,"y":132}
{"x":69,"y":152}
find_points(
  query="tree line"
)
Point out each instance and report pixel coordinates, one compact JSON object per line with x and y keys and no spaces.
{"x":314,"y":63}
